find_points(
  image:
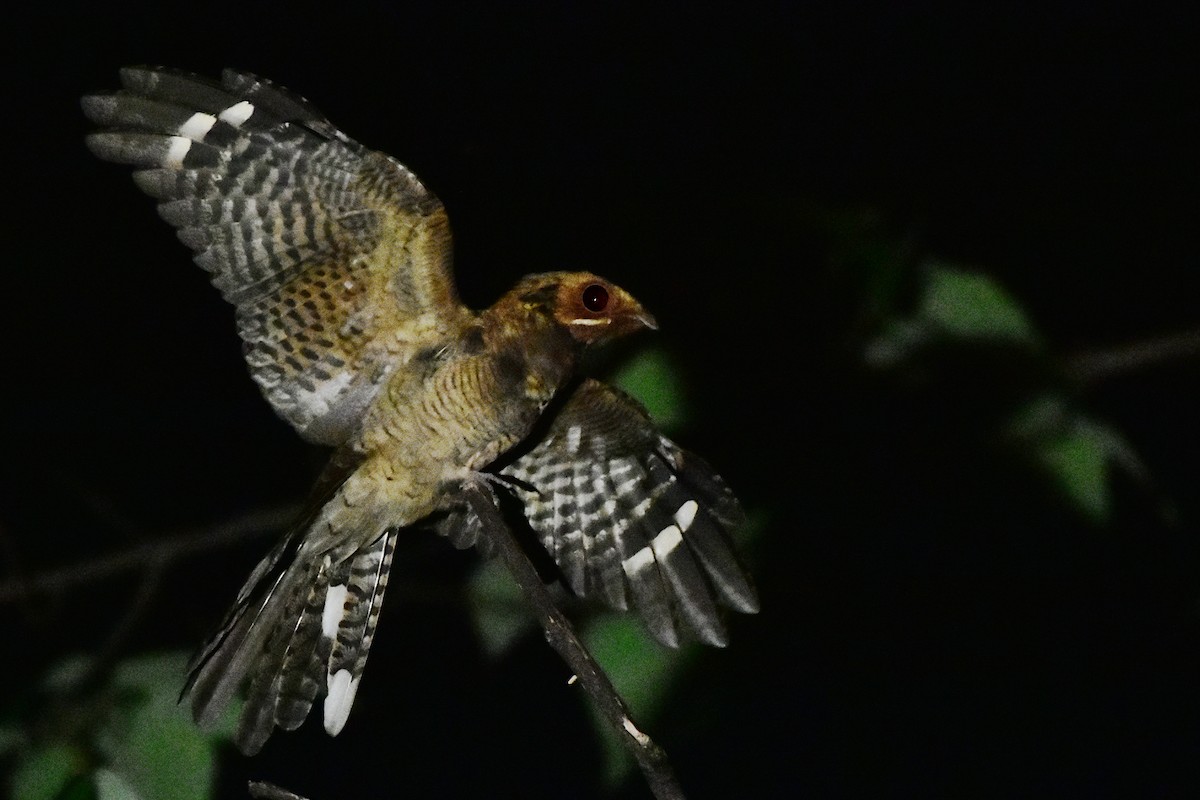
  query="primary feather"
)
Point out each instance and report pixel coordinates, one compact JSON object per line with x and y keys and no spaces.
{"x":338,"y":263}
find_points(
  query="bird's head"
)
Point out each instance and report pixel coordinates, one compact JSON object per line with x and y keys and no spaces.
{"x":590,"y":308}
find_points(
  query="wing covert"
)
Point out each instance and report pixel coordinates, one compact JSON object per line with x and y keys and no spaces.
{"x":337,"y":258}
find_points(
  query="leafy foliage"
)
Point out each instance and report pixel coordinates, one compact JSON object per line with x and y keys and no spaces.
{"x":642,"y":671}
{"x":961,"y":310}
{"x":651,"y":377}
{"x":129,"y":740}
{"x":955,"y":305}
{"x":1075,"y":450}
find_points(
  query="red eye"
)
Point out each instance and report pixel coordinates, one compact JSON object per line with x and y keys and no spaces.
{"x":595,"y":298}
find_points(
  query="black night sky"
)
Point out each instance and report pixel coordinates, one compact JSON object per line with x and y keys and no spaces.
{"x":936,"y":620}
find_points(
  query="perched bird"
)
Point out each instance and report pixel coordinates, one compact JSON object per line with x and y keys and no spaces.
{"x":338,"y":262}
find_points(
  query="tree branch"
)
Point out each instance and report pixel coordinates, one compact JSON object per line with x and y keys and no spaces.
{"x":155,"y":554}
{"x":1100,"y":364}
{"x":561,"y":636}
{"x":261,"y":790}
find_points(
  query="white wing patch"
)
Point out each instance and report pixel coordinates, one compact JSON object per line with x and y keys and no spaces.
{"x":177,"y":151}
{"x":237,"y":113}
{"x":666,"y":541}
{"x":197,"y":126}
{"x":638,"y":561}
{"x":686,"y":515}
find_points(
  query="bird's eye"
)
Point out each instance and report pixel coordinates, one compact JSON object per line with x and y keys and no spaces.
{"x":595,"y":298}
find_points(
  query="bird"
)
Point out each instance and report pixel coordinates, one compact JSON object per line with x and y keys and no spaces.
{"x":338,"y":263}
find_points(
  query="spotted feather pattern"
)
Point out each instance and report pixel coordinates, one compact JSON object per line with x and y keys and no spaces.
{"x":336,"y":257}
{"x":633,"y":519}
{"x":337,"y":261}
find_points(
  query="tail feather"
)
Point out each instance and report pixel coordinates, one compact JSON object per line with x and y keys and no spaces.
{"x":302,"y":628}
{"x":219,"y":668}
{"x":297,"y":677}
{"x":290,"y":609}
{"x":349,"y":625}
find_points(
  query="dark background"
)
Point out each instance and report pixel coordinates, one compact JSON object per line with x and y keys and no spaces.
{"x":936,"y":620}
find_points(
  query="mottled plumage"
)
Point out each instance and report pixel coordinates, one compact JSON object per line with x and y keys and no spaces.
{"x":630,"y":517}
{"x":338,"y":262}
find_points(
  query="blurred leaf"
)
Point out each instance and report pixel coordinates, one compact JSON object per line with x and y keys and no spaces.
{"x":152,"y":744}
{"x":899,"y":340}
{"x":1077,"y":451}
{"x":10,"y":738}
{"x":80,"y":788}
{"x":972,"y":305}
{"x":65,"y":674}
{"x":145,"y":741}
{"x":651,"y":378}
{"x":641,"y":670}
{"x":111,"y":786}
{"x":1079,"y":463}
{"x":501,"y":614}
{"x":954,"y":304}
{"x":45,"y":773}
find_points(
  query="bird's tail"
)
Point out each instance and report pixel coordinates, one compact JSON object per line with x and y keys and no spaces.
{"x":301,"y":628}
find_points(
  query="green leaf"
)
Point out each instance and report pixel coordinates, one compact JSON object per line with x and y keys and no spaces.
{"x":954,"y":304}
{"x":111,"y":786}
{"x":639,"y":668}
{"x":65,"y":674}
{"x":46,"y":772}
{"x":10,"y":738}
{"x":971,"y":305}
{"x":899,"y":340}
{"x":651,"y":378}
{"x":81,"y":788}
{"x":1078,"y":452}
{"x":501,"y":614}
{"x":152,"y":744}
{"x":642,"y":672}
{"x":1080,"y":466}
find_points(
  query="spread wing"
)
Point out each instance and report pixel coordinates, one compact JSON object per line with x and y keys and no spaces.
{"x":630,"y":517}
{"x":336,"y":257}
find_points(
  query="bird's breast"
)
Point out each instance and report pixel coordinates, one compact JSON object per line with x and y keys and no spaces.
{"x":440,"y":420}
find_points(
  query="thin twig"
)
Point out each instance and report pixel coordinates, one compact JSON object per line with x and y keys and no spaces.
{"x":158,"y":553}
{"x":561,"y":636}
{"x":172,"y":546}
{"x":1095,"y":365}
{"x":106,"y":658}
{"x":261,"y":790}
